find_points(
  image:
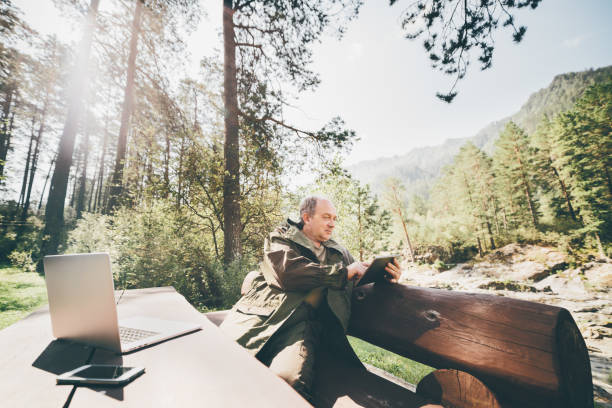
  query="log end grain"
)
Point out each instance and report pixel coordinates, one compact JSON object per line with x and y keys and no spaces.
{"x":457,"y":389}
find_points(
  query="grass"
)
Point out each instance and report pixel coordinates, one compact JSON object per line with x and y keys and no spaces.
{"x":20,"y":294}
{"x":399,"y":366}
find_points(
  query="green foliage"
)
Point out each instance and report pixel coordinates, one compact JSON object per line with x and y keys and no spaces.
{"x":156,"y":244}
{"x":513,"y":164}
{"x":17,"y":237}
{"x":22,"y":260}
{"x":584,"y":151}
{"x":465,"y":200}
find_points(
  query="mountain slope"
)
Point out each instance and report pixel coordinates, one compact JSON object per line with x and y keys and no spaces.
{"x":419,"y":168}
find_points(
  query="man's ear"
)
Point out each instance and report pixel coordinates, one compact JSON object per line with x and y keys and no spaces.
{"x":306,"y":217}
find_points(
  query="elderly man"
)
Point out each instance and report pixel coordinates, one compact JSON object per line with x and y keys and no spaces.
{"x":304,"y":285}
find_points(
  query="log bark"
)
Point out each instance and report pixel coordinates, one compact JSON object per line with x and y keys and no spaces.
{"x":456,"y":389}
{"x":527,"y":353}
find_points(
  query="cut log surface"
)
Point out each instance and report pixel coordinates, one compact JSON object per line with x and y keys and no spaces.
{"x":457,"y":389}
{"x":528,"y":353}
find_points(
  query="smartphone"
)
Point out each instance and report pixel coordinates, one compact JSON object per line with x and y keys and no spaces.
{"x":376,"y":271}
{"x":100,"y":374}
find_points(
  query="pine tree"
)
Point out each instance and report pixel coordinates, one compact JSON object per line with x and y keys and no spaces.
{"x":466,"y":188}
{"x":513,"y":162}
{"x":585,"y":157}
{"x":548,"y":176}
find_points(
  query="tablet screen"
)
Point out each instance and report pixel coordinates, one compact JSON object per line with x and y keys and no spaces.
{"x":376,"y":271}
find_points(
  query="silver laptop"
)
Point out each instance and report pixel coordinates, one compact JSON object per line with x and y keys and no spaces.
{"x":82,"y":306}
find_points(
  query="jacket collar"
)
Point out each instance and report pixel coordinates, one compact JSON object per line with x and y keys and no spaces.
{"x":295,"y":234}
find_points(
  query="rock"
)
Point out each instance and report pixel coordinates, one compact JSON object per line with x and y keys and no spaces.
{"x":431,"y":253}
{"x":529,"y":270}
{"x":592,"y":333}
{"x":587,"y":310}
{"x":568,"y":285}
{"x":507,"y":285}
{"x":599,"y":275}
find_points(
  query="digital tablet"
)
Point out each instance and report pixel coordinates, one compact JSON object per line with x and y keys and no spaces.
{"x":376,"y":271}
{"x":100,"y":374}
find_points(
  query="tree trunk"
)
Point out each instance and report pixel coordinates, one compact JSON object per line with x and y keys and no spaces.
{"x":180,"y":173}
{"x":26,"y":171}
{"x":490,"y":235}
{"x":5,"y":130}
{"x":80,"y":202}
{"x":231,"y":178}
{"x":54,"y":212}
{"x":75,"y":176}
{"x":92,"y":191}
{"x":398,"y":206}
{"x":167,"y":166}
{"x":570,"y":208}
{"x":98,"y":202}
{"x":360,"y":233}
{"x":116,"y":188}
{"x":42,"y":194}
{"x":474,"y":209}
{"x":34,"y":166}
{"x":526,"y":188}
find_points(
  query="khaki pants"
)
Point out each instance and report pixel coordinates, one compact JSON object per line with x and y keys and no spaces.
{"x":290,"y":352}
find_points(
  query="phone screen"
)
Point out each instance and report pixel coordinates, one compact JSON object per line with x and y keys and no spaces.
{"x":106,"y":372}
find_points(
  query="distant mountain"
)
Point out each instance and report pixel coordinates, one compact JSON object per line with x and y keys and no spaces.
{"x":419,"y":168}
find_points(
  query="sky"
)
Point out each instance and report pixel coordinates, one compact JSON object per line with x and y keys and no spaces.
{"x":382,"y":85}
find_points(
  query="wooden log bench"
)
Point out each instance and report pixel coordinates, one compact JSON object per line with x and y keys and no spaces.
{"x":490,"y":351}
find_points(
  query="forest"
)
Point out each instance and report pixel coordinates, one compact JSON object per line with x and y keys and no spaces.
{"x":111,"y":145}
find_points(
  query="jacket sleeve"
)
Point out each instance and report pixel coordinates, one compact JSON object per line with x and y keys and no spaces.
{"x":286,"y":269}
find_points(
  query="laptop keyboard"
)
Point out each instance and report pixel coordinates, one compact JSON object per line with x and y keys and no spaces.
{"x":129,"y":335}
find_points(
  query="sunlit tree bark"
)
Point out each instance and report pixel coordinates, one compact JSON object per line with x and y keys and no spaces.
{"x":116,"y":187}
{"x":54,"y":212}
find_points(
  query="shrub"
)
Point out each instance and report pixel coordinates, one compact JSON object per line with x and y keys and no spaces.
{"x":22,"y":260}
{"x":157,"y":245}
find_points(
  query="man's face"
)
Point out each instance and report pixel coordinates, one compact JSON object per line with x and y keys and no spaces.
{"x":320,"y":225}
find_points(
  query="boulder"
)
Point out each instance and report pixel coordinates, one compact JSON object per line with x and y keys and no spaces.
{"x":598,"y":274}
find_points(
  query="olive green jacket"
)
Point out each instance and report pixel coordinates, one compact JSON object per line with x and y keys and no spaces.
{"x":288,"y":272}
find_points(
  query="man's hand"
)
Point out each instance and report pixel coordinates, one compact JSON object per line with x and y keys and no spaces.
{"x":356,"y":270}
{"x":393,"y":271}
